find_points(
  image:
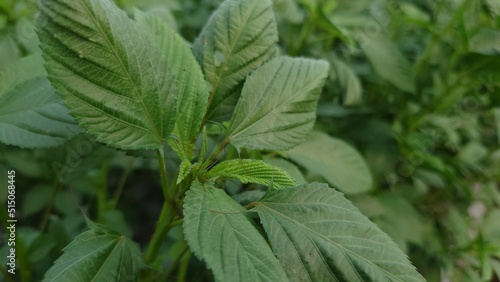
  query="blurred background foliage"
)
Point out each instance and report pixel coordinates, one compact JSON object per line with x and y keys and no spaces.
{"x":414,"y":86}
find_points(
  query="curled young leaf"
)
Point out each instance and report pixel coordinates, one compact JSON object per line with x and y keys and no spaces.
{"x":252,"y":171}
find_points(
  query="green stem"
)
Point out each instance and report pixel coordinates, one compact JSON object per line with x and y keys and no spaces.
{"x":167,"y":214}
{"x":163,"y":174}
{"x":174,"y":264}
{"x":183,"y":268}
{"x":162,"y":227}
{"x":215,"y":154}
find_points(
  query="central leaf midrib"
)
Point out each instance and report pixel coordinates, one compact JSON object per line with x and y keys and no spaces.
{"x":117,"y":244}
{"x":129,"y":78}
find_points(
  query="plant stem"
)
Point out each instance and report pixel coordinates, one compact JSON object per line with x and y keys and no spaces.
{"x":214,"y":155}
{"x":162,"y":227}
{"x":163,"y":174}
{"x":183,"y":268}
{"x":175,"y":264}
{"x":167,"y":214}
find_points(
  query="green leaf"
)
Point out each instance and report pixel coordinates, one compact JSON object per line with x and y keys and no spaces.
{"x":347,"y":82}
{"x":325,"y":23}
{"x":389,"y":63}
{"x":109,"y":72}
{"x":97,"y":255}
{"x":486,"y":41}
{"x":239,"y":37}
{"x":320,"y":236}
{"x":184,"y":169}
{"x":32,"y":115}
{"x":336,"y":161}
{"x":489,"y":227}
{"x":401,"y":221}
{"x":22,"y":70}
{"x":289,"y":10}
{"x":277,"y":108}
{"x":496,"y":113}
{"x":252,"y":171}
{"x":220,"y":232}
{"x":192,"y":89}
{"x":289,"y":167}
{"x":493,"y":7}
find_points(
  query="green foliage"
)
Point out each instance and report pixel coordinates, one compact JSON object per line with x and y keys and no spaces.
{"x":320,"y":236}
{"x":389,"y":63}
{"x":99,"y":254}
{"x":348,"y":83}
{"x":239,"y":37}
{"x":252,"y":171}
{"x":110,"y":73}
{"x":191,"y":87}
{"x":336,"y":161}
{"x":32,"y":115}
{"x":276,"y":108}
{"x":211,"y":97}
{"x":221,"y":232}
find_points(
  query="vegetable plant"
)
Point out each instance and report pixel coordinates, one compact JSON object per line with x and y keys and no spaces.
{"x":234,"y":111}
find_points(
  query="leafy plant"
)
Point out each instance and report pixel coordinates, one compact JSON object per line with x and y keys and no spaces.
{"x":414,"y":85}
{"x":137,"y":86}
{"x":227,"y":168}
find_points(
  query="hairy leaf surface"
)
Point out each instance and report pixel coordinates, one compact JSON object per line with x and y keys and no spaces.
{"x":320,"y":236}
{"x":339,"y":163}
{"x":219,"y":231}
{"x":99,"y":254}
{"x":32,"y":115}
{"x":192,"y":90}
{"x":252,"y":171}
{"x":239,"y":37}
{"x":277,"y":108}
{"x":110,"y":73}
